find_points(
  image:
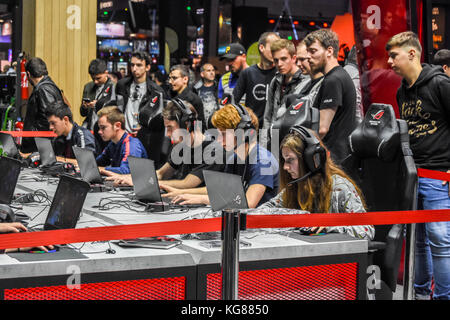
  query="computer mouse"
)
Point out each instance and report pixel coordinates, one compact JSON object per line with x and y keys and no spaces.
{"x":55,"y":249}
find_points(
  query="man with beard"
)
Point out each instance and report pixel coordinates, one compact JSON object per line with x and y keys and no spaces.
{"x":254,"y":81}
{"x":336,"y":99}
{"x":235,"y":57}
{"x":303,"y":64}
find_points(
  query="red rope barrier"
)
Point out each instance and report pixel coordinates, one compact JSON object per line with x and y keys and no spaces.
{"x":31,"y":134}
{"x":31,"y":239}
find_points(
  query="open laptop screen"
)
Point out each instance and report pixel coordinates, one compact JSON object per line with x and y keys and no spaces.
{"x":8,"y":145}
{"x":9,"y":173}
{"x":67,"y":203}
{"x":145,"y":181}
{"x":87,"y":164}
{"x":225,"y":190}
{"x":46,"y":153}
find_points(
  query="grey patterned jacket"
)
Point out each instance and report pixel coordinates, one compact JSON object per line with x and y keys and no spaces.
{"x":344,"y":198}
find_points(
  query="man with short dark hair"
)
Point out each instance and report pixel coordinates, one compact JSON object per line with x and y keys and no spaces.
{"x":336,"y":99}
{"x":179,"y":84}
{"x":96,"y":94}
{"x":254,"y":81}
{"x":442,"y":58}
{"x":138,"y":95}
{"x":68,"y":132}
{"x":424,"y":103}
{"x":45,"y":93}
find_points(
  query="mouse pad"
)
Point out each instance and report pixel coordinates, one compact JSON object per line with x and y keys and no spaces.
{"x":329,"y":237}
{"x":62,"y":254}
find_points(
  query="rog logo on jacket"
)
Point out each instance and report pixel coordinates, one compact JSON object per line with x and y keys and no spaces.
{"x":153,"y":101}
{"x":225,"y":101}
{"x":298,"y":106}
{"x":378,"y":115}
{"x":238,"y":199}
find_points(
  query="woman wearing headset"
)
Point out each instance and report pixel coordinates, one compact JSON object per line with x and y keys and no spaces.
{"x":311,"y":181}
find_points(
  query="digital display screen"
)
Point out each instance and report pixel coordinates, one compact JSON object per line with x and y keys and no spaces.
{"x":154,"y":48}
{"x":115,"y":45}
{"x":110,"y":30}
{"x":9,"y":171}
{"x":140,"y":45}
{"x":67,"y":204}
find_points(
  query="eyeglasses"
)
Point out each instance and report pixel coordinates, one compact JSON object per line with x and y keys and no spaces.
{"x":173,"y":78}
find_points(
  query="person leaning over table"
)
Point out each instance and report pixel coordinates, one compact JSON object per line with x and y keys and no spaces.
{"x":328,"y":190}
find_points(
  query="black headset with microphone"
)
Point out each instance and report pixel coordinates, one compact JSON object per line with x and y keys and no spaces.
{"x":314,"y":155}
{"x":248,"y":127}
{"x":187,"y":115}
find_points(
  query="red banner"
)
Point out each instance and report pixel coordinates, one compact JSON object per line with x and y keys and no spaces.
{"x":375,"y":22}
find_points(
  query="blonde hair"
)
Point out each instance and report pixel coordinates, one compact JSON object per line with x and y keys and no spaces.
{"x":113,"y":115}
{"x":405,"y":39}
{"x":283,"y":44}
{"x":228,"y":118}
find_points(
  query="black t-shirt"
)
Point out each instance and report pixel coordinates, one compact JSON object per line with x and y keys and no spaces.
{"x":254,"y":83}
{"x":208,"y":95}
{"x":338,"y":92}
{"x":200,"y":159}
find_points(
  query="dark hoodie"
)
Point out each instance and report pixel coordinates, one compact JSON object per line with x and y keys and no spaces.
{"x":426,"y":108}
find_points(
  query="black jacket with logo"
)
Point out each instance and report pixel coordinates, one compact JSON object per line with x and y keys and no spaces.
{"x":152,"y":133}
{"x":426,"y":108}
{"x":107,"y":96}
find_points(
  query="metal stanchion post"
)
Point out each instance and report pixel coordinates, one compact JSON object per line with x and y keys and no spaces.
{"x":231,"y":225}
{"x":408,"y":274}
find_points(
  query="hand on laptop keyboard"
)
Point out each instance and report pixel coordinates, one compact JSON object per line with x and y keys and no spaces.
{"x":191,"y":199}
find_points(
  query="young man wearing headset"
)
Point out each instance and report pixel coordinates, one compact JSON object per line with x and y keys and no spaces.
{"x":255,"y":164}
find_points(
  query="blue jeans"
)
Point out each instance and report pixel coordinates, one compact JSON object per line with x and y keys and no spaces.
{"x":432,"y":258}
